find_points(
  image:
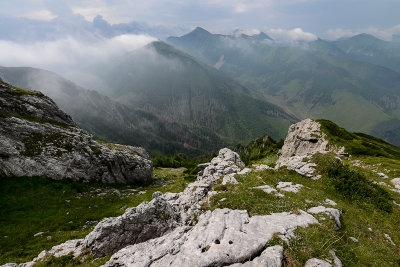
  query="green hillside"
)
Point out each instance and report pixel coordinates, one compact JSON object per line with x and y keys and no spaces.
{"x":111,"y":121}
{"x":178,"y":88}
{"x":365,"y":48}
{"x":306,"y":83}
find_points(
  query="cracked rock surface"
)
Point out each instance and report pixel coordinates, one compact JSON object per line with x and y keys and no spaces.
{"x":38,"y":139}
{"x":148,"y":220}
{"x":217,"y":239}
{"x":304,"y":139}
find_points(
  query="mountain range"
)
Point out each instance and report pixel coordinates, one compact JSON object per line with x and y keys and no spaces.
{"x":163,"y":99}
{"x":312,"y":80}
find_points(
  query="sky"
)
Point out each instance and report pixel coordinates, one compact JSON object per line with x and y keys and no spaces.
{"x":324,"y":18}
{"x":65,"y":36}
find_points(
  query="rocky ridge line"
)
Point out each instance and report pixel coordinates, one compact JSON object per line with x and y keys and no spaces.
{"x":38,"y":139}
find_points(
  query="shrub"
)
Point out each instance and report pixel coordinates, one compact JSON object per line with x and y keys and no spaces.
{"x":354,"y":186}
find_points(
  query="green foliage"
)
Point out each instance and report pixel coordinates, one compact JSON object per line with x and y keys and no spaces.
{"x":20,"y":91}
{"x":354,"y":186}
{"x":34,"y":119}
{"x":257,"y":149}
{"x":181,"y":160}
{"x":64,"y":210}
{"x":358,"y":214}
{"x":358,"y":143}
{"x":35,"y":144}
{"x":96,"y":150}
{"x":3,"y":115}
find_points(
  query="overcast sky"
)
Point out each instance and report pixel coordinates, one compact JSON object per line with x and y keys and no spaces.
{"x":325,"y":18}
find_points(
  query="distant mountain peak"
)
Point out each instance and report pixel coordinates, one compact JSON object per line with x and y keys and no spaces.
{"x":365,"y":36}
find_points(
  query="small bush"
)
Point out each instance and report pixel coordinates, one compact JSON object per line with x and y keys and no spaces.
{"x":354,"y":186}
{"x":95,"y":150}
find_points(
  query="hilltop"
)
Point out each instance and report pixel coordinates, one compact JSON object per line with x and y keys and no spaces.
{"x":324,"y":196}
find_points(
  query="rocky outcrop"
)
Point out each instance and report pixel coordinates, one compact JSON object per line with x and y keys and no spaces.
{"x":38,"y":139}
{"x":218,"y":239}
{"x":188,"y":203}
{"x":331,"y":212}
{"x":304,"y":139}
{"x":146,"y":221}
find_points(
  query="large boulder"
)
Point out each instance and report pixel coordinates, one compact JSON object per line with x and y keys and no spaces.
{"x":146,"y":221}
{"x":222,"y":237}
{"x":38,"y":139}
{"x":304,"y":139}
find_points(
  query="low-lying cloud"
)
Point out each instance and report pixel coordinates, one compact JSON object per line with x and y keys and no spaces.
{"x":64,"y":54}
{"x":293,"y":35}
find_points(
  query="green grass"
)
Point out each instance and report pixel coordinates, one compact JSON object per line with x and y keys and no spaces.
{"x":317,"y":240}
{"x":358,"y":143}
{"x":20,"y":91}
{"x":35,"y":143}
{"x":62,"y":208}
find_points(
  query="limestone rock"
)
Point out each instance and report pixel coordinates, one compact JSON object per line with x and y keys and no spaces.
{"x":382,"y":175}
{"x":38,"y":139}
{"x":244,"y":171}
{"x":317,"y":263}
{"x":333,"y":213}
{"x":336,"y":261}
{"x":304,"y":139}
{"x":261,"y":167}
{"x":217,"y":239}
{"x":289,"y":187}
{"x":269,"y":190}
{"x":270,"y":257}
{"x":188,"y":203}
{"x":229,"y":179}
{"x":396,"y":183}
{"x":330,"y":202}
{"x":146,"y":221}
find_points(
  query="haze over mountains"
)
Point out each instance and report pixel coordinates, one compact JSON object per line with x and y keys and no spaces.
{"x":202,"y":90}
{"x":311,"y":80}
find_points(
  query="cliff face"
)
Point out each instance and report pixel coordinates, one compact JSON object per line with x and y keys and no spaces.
{"x":38,"y":139}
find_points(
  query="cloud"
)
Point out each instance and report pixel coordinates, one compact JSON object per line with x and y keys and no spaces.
{"x":42,"y":15}
{"x":293,"y":35}
{"x":68,"y":53}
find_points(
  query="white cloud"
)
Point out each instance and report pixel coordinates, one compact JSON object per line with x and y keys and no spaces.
{"x":43,"y":15}
{"x":293,"y":35}
{"x":68,"y":53}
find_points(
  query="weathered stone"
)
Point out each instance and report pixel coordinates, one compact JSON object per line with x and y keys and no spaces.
{"x":330,"y":202}
{"x":382,"y":175}
{"x":289,"y":187}
{"x":217,"y":239}
{"x":317,"y":263}
{"x":304,"y":139}
{"x":333,"y":213}
{"x":38,"y":139}
{"x":146,"y":221}
{"x":336,"y":261}
{"x":261,"y":167}
{"x":270,"y":257}
{"x":229,"y":179}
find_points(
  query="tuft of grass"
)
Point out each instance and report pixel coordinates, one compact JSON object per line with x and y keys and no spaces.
{"x":257,"y":149}
{"x":20,"y":91}
{"x":95,"y":150}
{"x":35,"y":144}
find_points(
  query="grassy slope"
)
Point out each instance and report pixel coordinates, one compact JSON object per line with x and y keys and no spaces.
{"x":61,"y":209}
{"x":308,"y":83}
